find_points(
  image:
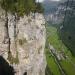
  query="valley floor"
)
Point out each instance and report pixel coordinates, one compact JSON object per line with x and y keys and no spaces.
{"x":59,"y":58}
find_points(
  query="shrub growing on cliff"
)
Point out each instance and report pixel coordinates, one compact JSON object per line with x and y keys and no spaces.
{"x":39,"y":8}
{"x":21,"y":7}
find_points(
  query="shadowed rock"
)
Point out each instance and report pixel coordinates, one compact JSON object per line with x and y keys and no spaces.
{"x":5,"y":68}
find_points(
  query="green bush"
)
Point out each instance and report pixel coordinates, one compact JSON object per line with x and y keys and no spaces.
{"x":21,"y":7}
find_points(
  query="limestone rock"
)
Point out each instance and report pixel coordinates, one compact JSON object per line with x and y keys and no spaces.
{"x":27,"y":42}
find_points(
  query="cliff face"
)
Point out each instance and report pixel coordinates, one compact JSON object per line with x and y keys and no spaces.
{"x":23,"y":49}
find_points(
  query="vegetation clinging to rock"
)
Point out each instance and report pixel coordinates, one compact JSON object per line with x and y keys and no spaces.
{"x":21,"y":7}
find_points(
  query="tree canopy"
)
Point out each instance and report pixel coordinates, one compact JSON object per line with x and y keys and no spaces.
{"x":21,"y":7}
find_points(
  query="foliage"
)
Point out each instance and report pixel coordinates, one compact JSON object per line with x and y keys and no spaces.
{"x":21,"y":7}
{"x":53,"y":39}
{"x":39,"y":8}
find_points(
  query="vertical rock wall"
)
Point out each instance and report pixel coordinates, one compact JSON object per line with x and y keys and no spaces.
{"x":27,"y":43}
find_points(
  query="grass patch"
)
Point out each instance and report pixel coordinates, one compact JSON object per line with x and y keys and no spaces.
{"x":68,"y":67}
{"x":53,"y":39}
{"x":51,"y":63}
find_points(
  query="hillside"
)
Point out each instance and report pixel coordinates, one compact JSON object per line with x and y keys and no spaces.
{"x":68,"y":27}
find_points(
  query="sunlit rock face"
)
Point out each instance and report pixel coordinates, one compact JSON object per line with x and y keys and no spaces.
{"x":27,"y":42}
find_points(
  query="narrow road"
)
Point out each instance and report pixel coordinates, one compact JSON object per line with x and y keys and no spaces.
{"x":52,"y":51}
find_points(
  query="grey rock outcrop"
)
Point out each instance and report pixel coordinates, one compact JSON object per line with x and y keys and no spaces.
{"x":27,"y":42}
